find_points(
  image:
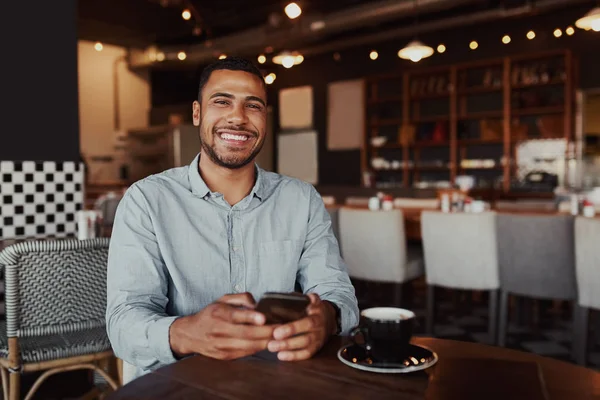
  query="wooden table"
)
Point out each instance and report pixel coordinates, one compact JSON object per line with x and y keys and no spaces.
{"x":464,"y":370}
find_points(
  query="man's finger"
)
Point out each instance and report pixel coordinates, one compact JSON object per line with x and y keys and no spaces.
{"x":244,"y":346}
{"x":250,"y":332}
{"x":293,"y":343}
{"x":303,"y":325}
{"x":298,"y":355}
{"x":239,"y":299}
{"x":235,"y":315}
{"x":314,"y":299}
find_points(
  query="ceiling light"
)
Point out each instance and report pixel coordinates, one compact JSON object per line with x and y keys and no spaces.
{"x":373,"y":55}
{"x":269,"y":79}
{"x":531,"y":35}
{"x":262,"y":59}
{"x":570,"y":31}
{"x":288,"y":59}
{"x":181,"y":55}
{"x":293,"y":10}
{"x":591,"y":20}
{"x":317,"y":25}
{"x":441,"y":48}
{"x":337,"y":56}
{"x":506,"y":39}
{"x":473,"y":45}
{"x":197,"y":31}
{"x":186,"y":14}
{"x":222,"y":56}
{"x":98,"y":46}
{"x":415,"y":51}
{"x":557,"y":33}
{"x":160,"y":56}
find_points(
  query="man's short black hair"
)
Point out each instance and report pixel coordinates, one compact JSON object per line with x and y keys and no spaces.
{"x":229,"y":63}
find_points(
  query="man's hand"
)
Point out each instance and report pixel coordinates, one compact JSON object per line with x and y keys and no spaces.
{"x":300,"y":340}
{"x":226,"y":330}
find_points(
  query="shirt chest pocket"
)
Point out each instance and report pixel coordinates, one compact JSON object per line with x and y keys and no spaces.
{"x":280,"y":260}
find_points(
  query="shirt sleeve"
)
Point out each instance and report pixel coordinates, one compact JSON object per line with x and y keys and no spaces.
{"x":321,"y":268}
{"x":137,"y":284}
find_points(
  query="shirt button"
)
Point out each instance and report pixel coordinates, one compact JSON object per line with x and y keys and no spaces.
{"x":235,"y":248}
{"x":237,"y":288}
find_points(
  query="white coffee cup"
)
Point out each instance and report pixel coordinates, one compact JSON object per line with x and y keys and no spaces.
{"x":374,"y":203}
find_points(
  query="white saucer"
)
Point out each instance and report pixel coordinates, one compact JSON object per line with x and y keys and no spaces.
{"x":418,"y":358}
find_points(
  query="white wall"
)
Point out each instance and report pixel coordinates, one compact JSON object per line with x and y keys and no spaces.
{"x":96,"y":105}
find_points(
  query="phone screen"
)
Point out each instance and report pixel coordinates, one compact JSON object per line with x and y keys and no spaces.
{"x":280,"y":308}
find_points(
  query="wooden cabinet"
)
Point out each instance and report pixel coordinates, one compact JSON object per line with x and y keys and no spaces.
{"x":435,"y":124}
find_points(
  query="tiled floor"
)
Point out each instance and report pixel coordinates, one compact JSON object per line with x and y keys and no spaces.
{"x":463,"y":316}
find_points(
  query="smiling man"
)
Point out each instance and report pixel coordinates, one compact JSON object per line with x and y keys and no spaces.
{"x":192,"y":248}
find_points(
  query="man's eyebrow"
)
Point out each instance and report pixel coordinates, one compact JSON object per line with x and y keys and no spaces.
{"x":222,"y":94}
{"x":255,"y":98}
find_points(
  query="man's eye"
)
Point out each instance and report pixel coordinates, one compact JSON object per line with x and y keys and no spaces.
{"x":255,"y":106}
{"x":225,"y":102}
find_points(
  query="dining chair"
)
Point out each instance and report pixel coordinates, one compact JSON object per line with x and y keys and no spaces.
{"x":55,"y":311}
{"x":375,"y":249}
{"x":587,"y":263}
{"x":107,"y":205}
{"x":461,"y":253}
{"x":537,"y":260}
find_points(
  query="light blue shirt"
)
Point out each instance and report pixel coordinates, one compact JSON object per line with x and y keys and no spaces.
{"x":176,"y":247}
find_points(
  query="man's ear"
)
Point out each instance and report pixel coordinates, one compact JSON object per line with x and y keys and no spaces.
{"x":196,"y":113}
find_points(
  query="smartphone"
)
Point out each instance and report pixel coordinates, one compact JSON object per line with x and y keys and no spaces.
{"x":281,"y":308}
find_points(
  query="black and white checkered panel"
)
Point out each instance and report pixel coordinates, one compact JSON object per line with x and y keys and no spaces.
{"x":40,"y":199}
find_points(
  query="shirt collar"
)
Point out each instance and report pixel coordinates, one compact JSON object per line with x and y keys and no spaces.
{"x":200,"y":189}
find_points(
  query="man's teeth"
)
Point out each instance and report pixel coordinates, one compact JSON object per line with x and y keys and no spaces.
{"x":229,"y":136}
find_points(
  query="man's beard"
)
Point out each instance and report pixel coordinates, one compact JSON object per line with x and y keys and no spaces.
{"x":234,"y":162}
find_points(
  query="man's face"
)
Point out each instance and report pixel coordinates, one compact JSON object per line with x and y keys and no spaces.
{"x":232,"y":118}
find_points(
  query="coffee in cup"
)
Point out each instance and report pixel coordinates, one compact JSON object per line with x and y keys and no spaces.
{"x":386,"y":331}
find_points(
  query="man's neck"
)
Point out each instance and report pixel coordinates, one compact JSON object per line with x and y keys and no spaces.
{"x":234,"y":184}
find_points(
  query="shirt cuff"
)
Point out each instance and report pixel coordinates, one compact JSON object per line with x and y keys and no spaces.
{"x":158,"y":339}
{"x":348,"y":315}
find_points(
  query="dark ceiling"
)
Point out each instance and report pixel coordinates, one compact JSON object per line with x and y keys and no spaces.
{"x":139,"y":23}
{"x":144,"y":22}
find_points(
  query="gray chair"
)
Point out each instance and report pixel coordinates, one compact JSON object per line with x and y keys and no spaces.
{"x":55,"y":311}
{"x":107,"y":205}
{"x":375,"y":250}
{"x":587,"y":267}
{"x":460,"y":253}
{"x":537,"y":260}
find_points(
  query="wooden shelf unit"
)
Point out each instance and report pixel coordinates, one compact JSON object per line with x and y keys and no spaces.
{"x":453,"y":89}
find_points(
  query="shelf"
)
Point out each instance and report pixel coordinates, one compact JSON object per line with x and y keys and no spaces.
{"x":439,"y":118}
{"x":482,"y":115}
{"x":390,"y":121}
{"x":391,"y":99}
{"x":430,"y":143}
{"x":430,"y":168}
{"x":538,"y":110}
{"x":476,"y":142}
{"x":479,"y":90}
{"x":553,"y":82}
{"x":497,"y":168}
{"x":416,"y":144}
{"x":386,"y":146}
{"x":427,"y":96}
{"x":378,"y":171}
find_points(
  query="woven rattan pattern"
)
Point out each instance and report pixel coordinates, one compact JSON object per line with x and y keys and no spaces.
{"x":52,"y":347}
